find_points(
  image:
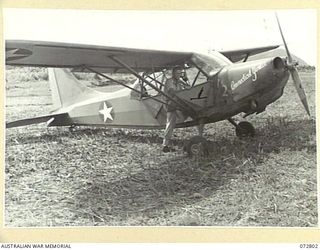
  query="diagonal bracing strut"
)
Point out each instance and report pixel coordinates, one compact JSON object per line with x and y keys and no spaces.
{"x":118,"y":82}
{"x":189,"y":111}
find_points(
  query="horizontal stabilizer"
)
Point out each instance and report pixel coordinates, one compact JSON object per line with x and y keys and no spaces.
{"x":52,"y":118}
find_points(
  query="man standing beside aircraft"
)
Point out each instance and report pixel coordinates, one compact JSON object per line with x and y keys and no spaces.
{"x":171,"y":86}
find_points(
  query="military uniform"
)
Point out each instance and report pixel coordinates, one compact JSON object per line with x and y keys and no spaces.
{"x":170,"y":88}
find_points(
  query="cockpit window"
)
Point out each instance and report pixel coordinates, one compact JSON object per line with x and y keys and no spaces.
{"x":210,"y":63}
{"x":197,"y":70}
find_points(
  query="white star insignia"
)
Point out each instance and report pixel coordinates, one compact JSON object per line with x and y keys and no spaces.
{"x":106,"y":112}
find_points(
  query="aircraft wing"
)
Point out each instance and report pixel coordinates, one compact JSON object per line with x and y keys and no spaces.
{"x":63,"y":55}
{"x":237,"y":55}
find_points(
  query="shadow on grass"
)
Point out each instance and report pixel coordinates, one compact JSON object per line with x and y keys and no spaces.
{"x":273,"y":133}
{"x":164,"y":182}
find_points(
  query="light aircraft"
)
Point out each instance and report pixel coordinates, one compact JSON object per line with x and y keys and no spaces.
{"x":220,"y":86}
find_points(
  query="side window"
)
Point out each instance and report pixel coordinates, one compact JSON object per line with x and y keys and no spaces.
{"x":141,"y":90}
{"x":157,"y":80}
{"x":195,"y":76}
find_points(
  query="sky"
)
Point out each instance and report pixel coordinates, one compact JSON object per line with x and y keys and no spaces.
{"x":168,"y":30}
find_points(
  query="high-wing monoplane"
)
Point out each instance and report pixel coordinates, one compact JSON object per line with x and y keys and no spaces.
{"x":220,"y":85}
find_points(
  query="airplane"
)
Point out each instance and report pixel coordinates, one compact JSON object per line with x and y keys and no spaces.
{"x":218,"y":86}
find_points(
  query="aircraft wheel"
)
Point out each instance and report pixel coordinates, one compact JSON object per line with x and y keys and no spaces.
{"x":197,"y":146}
{"x":245,"y":129}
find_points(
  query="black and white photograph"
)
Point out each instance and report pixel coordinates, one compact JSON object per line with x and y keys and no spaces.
{"x":160,"y":118}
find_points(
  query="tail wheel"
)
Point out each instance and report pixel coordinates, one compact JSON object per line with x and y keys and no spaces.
{"x":72,"y":128}
{"x":197,"y":146}
{"x":245,"y":129}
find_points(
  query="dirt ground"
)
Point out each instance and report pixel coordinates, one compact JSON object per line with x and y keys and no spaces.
{"x":120,"y":177}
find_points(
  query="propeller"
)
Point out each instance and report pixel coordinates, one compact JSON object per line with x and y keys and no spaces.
{"x":294,"y":73}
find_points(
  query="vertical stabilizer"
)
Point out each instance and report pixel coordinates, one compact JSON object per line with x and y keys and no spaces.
{"x":66,"y":89}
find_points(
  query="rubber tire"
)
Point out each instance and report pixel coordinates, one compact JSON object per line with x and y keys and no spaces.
{"x":245,"y":129}
{"x":197,"y":146}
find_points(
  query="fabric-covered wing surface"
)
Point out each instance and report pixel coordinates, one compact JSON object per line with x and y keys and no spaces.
{"x":63,"y":55}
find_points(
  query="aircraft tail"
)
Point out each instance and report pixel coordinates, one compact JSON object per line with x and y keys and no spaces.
{"x":66,"y":89}
{"x":51,"y":120}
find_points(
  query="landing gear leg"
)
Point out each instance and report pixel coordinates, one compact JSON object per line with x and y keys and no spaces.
{"x":243,"y":129}
{"x":200,"y":128}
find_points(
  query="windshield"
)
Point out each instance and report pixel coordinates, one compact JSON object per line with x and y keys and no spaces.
{"x":210,"y":63}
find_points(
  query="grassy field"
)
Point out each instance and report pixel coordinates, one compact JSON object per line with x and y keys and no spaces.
{"x":120,"y":177}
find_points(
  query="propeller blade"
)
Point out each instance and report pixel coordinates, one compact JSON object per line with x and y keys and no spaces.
{"x":294,"y":73}
{"x":284,"y":41}
{"x":297,"y":83}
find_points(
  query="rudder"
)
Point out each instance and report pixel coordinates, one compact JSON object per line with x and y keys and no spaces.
{"x":65,"y":88}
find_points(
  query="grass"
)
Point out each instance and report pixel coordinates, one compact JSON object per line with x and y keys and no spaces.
{"x":31,"y":74}
{"x":120,"y":177}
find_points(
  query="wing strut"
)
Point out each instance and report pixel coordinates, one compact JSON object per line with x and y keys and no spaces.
{"x":195,"y":79}
{"x":124,"y":85}
{"x":157,"y":81}
{"x":246,"y":58}
{"x":189,"y":110}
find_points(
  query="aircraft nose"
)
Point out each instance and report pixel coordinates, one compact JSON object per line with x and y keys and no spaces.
{"x":279,"y":63}
{"x":280,"y":69}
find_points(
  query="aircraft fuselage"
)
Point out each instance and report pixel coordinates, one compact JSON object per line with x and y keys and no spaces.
{"x":244,"y":87}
